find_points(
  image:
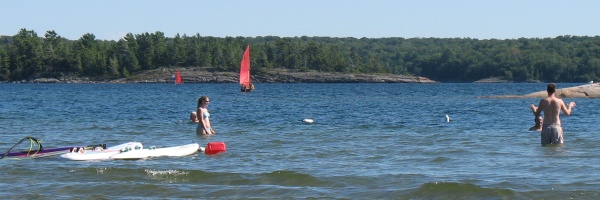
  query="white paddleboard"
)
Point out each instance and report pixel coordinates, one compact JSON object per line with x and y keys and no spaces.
{"x":100,"y":154}
{"x":135,"y":154}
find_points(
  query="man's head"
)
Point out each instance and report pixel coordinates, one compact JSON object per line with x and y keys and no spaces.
{"x":193,"y":116}
{"x":551,"y":88}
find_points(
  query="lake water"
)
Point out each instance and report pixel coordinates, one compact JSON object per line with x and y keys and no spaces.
{"x":369,"y":141}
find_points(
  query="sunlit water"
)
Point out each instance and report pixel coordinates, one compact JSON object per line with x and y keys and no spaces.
{"x":384,"y":141}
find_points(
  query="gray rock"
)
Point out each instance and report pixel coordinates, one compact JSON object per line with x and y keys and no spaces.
{"x":583,"y":91}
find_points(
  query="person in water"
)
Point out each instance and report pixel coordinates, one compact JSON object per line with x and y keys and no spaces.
{"x":552,"y":132}
{"x":194,"y":117}
{"x":246,"y":89}
{"x":538,"y":120}
{"x":204,"y":126}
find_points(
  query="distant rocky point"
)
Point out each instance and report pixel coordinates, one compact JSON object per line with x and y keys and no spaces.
{"x":501,"y":80}
{"x":584,"y":91}
{"x":492,"y":80}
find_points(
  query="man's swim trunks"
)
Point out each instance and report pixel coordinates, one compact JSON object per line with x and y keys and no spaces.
{"x":552,"y":134}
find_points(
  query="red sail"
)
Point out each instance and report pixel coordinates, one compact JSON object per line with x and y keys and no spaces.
{"x":245,"y":68}
{"x":178,"y":78}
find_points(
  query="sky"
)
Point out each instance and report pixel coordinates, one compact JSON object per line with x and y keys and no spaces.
{"x":479,"y":19}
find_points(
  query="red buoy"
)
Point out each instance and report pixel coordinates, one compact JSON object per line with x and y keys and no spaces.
{"x":215,"y":148}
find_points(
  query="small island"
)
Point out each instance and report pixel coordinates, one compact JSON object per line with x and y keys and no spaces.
{"x":591,"y":90}
{"x":583,"y":91}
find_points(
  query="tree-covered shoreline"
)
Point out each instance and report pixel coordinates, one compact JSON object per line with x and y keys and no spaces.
{"x":26,"y":56}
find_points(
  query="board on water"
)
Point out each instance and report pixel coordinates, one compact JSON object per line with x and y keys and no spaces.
{"x":136,"y":154}
{"x":99,"y":153}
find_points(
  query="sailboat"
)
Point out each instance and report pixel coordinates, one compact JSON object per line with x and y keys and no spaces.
{"x":245,"y":83}
{"x":35,"y":150}
{"x":178,"y":80}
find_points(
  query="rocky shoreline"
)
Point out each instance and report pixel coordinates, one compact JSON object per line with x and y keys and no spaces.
{"x":583,"y":91}
{"x":591,"y":90}
{"x":198,"y":75}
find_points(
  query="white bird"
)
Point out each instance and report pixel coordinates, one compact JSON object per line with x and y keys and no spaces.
{"x":308,"y":121}
{"x":447,"y":118}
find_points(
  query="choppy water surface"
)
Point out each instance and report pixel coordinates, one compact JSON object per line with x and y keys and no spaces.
{"x":384,"y":141}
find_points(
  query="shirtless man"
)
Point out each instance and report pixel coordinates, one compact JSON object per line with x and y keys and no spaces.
{"x":552,"y":132}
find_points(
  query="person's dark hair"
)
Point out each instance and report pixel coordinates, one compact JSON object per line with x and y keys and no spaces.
{"x":551,"y":88}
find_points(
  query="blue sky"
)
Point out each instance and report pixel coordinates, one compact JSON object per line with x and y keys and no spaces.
{"x":481,"y":19}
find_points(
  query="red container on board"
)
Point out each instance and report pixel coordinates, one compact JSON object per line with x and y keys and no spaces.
{"x":215,"y":148}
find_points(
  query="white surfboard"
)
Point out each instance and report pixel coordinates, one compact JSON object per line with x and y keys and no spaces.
{"x":135,"y":154}
{"x":100,"y":154}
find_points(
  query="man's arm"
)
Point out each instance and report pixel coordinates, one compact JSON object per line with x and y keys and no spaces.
{"x":533,"y":108}
{"x":567,"y":109}
{"x":539,"y":109}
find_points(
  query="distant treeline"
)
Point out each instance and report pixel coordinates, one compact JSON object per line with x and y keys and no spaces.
{"x":562,"y":59}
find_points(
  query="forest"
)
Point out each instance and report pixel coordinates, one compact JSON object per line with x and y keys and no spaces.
{"x":27,"y":56}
